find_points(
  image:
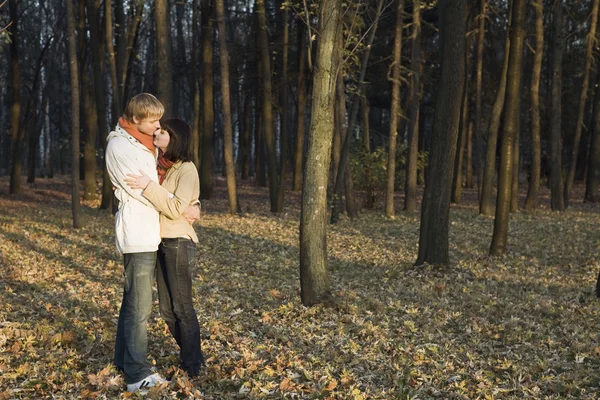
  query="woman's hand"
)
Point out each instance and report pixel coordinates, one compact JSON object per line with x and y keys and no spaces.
{"x":138,"y":181}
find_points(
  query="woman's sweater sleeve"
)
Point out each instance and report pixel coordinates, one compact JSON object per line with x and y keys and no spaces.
{"x":172,"y":205}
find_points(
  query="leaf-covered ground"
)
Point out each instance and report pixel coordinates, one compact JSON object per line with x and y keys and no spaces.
{"x":521,"y":326}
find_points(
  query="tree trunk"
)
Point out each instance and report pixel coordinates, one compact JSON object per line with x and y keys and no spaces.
{"x":268,"y":121}
{"x":110,"y":48}
{"x":207,"y":179}
{"x":132,"y":35}
{"x":89,"y":147}
{"x":164,"y":56}
{"x":314,"y":275}
{"x":245,"y":137}
{"x":75,"y":106}
{"x":195,"y":86}
{"x":511,"y":121}
{"x":410,"y":186}
{"x":15,"y":125}
{"x":589,"y":58}
{"x":536,"y":150}
{"x":514,"y":197}
{"x":370,"y":195}
{"x":433,"y":238}
{"x":462,"y":138}
{"x":469,"y":172}
{"x":227,"y":128}
{"x":486,"y":204}
{"x":395,"y":112}
{"x":477,"y":136}
{"x":556,"y":183}
{"x":284,"y":152}
{"x":592,"y":194}
{"x":301,"y":115}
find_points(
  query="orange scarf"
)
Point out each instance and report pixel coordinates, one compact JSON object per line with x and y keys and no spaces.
{"x":146,"y":140}
{"x":163,"y":166}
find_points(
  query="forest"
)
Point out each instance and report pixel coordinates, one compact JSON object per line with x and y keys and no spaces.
{"x":400,"y":197}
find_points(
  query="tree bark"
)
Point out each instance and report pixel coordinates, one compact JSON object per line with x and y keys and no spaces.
{"x":314,"y":274}
{"x":207,"y":179}
{"x":195,"y":85}
{"x":589,"y":58}
{"x":112,"y":63}
{"x":301,"y":114}
{"x":536,"y":149}
{"x":514,"y":197}
{"x":164,"y":56}
{"x":486,"y":204}
{"x":469,"y":172}
{"x":434,"y":226}
{"x":395,"y":112}
{"x":227,"y":128}
{"x":410,"y":193}
{"x":366,"y":136}
{"x":75,"y":107}
{"x":245,"y":137}
{"x":457,"y":178}
{"x":511,"y":121}
{"x":592,"y":194}
{"x":477,"y":136}
{"x":15,"y":124}
{"x":285,"y":114}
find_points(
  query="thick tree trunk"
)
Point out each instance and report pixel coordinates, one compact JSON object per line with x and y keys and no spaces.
{"x":433,"y":238}
{"x":511,"y":121}
{"x":268,"y":121}
{"x":395,"y":112}
{"x":478,"y":134}
{"x":589,"y":58}
{"x":301,"y":115}
{"x":536,"y":149}
{"x":486,"y":204}
{"x":314,"y":274}
{"x":15,"y":124}
{"x":207,"y":179}
{"x":410,"y":186}
{"x":164,"y":56}
{"x":75,"y":107}
{"x":558,"y":42}
{"x":227,"y":128}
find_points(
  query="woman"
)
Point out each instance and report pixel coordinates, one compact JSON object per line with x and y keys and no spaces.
{"x":179,"y":186}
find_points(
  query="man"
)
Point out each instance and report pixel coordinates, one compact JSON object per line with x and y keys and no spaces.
{"x":130,"y":149}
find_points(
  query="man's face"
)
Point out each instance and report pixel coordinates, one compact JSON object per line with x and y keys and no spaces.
{"x":147,"y":125}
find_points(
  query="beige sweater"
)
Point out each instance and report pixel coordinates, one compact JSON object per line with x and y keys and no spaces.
{"x":180,"y":188}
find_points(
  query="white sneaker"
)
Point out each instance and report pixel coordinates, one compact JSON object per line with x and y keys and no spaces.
{"x":146,"y":383}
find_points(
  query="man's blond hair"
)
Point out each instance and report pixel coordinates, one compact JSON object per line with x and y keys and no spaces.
{"x":143,"y":106}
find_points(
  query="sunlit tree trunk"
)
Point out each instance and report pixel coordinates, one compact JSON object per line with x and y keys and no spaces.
{"x":410,"y":193}
{"x":589,"y":58}
{"x":314,"y":274}
{"x":301,"y":114}
{"x":395,"y":112}
{"x":536,"y":149}
{"x":207,"y":179}
{"x":511,"y":121}
{"x":75,"y":107}
{"x":227,"y":128}
{"x":164,"y":56}
{"x":478,"y":134}
{"x":15,"y":124}
{"x":433,"y":237}
{"x":284,"y":156}
{"x":486,"y":203}
{"x":558,"y":44}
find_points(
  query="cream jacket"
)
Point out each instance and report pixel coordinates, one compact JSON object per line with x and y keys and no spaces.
{"x":180,"y":188}
{"x":137,"y":226}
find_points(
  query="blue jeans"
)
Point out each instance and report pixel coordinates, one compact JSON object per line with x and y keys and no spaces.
{"x":132,"y":329}
{"x":174,"y":280}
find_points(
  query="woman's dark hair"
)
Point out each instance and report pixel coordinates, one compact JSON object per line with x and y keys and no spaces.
{"x":180,"y":140}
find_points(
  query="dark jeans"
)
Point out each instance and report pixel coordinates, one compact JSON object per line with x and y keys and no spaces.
{"x":132,"y":339}
{"x":174,"y":279}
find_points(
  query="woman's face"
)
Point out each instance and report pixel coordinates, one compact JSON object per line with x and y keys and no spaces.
{"x":161,"y":139}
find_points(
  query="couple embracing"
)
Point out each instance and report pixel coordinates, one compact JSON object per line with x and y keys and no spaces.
{"x":157,"y":186}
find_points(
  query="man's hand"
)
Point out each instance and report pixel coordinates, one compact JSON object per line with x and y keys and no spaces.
{"x":192,"y":213}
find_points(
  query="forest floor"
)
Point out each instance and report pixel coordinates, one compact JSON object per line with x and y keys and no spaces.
{"x":520,"y":326}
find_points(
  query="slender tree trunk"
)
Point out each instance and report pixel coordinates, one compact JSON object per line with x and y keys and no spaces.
{"x":285,"y":112}
{"x":486,"y":204}
{"x":75,"y":106}
{"x":302,"y":99}
{"x":433,"y":238}
{"x":370,"y":195}
{"x":112,"y":63}
{"x":195,"y":85}
{"x":314,"y":274}
{"x":536,"y":149}
{"x":410,"y":194}
{"x":457,"y":179}
{"x":345,"y":151}
{"x":164,"y":56}
{"x":15,"y":124}
{"x":478,"y":134}
{"x":469,"y":172}
{"x":132,"y":34}
{"x":511,"y":121}
{"x":558,"y":42}
{"x":89,"y":147}
{"x":245,"y":138}
{"x":589,"y":58}
{"x":207,"y":179}
{"x":268,"y":121}
{"x":395,"y":112}
{"x":227,"y":128}
{"x":592,"y":194}
{"x":514,"y":198}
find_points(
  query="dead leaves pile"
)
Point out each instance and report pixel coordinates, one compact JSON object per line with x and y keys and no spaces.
{"x":520,"y":326}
